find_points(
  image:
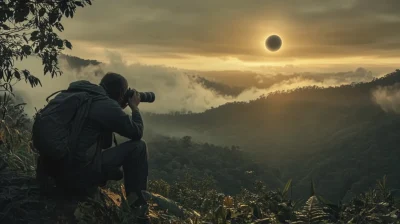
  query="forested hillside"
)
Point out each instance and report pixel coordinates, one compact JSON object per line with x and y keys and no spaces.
{"x":338,"y":136}
{"x":228,"y":167}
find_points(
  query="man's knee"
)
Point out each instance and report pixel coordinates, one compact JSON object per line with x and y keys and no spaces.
{"x":140,"y":146}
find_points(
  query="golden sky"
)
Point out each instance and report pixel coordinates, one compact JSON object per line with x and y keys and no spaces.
{"x":230,"y":34}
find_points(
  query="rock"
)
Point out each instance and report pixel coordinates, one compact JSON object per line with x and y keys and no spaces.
{"x":23,"y":201}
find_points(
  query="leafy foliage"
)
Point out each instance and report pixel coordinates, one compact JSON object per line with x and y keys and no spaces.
{"x":313,"y":212}
{"x":14,"y":135}
{"x":188,"y":200}
{"x":373,"y":206}
{"x":28,"y":28}
{"x":225,"y":168}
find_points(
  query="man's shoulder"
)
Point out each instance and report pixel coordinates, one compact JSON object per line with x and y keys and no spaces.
{"x":103,"y":101}
{"x":105,"y":106}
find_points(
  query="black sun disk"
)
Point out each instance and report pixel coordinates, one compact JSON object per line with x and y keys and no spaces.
{"x":273,"y":43}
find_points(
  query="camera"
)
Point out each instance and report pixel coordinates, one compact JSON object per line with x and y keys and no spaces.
{"x":147,"y":97}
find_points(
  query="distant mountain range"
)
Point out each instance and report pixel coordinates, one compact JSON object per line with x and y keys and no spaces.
{"x":75,"y":62}
{"x":233,"y":83}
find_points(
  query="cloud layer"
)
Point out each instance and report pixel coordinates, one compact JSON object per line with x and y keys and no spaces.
{"x":175,"y":89}
{"x":176,"y":29}
{"x":388,"y":98}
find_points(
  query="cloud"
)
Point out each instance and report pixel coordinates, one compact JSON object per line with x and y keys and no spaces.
{"x":246,"y":79}
{"x":175,"y":89}
{"x":388,"y":98}
{"x":236,"y":28}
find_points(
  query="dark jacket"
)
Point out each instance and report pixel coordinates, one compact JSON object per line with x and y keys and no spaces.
{"x":105,"y":117}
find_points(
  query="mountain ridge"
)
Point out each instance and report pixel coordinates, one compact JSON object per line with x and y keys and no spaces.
{"x":306,"y":133}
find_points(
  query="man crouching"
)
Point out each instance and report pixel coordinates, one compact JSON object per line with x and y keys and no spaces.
{"x":75,"y":127}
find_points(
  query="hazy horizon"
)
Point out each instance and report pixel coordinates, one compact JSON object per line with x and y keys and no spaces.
{"x":176,"y":89}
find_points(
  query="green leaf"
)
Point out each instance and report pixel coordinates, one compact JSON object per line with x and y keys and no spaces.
{"x":59,"y":26}
{"x":312,"y":188}
{"x":79,"y":3}
{"x":53,"y":16}
{"x":26,"y":49}
{"x":59,"y":43}
{"x":67,"y":13}
{"x":34,"y":81}
{"x":21,"y":14}
{"x":4,"y":26}
{"x":17,"y":74}
{"x":26,"y":39}
{"x":41,"y":46}
{"x":32,"y":8}
{"x":26,"y":73}
{"x":287,"y":187}
{"x":34,"y":35}
{"x":68,"y":44}
{"x":45,"y":69}
{"x":9,"y":75}
{"x":42,"y":11}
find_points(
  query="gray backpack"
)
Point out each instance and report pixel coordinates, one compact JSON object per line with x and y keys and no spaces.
{"x":57,"y":126}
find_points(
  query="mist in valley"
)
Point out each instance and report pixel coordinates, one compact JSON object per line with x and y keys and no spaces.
{"x":177,"y":90}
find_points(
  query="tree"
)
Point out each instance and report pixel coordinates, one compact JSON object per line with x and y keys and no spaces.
{"x":27,"y":29}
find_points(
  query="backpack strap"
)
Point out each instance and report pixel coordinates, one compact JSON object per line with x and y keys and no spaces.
{"x":47,"y":99}
{"x":80,"y":118}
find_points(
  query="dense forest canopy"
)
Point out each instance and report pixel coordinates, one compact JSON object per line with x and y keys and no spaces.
{"x":338,"y":135}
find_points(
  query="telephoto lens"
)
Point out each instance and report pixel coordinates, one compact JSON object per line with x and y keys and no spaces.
{"x":147,"y":97}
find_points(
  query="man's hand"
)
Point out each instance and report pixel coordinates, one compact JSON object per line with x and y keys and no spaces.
{"x":134,"y":101}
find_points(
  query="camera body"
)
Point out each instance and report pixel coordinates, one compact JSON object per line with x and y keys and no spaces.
{"x":146,"y":97}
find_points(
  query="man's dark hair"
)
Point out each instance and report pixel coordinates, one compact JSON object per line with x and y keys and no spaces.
{"x":114,"y":84}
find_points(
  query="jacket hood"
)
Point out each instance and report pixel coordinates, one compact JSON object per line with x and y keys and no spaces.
{"x":84,"y":85}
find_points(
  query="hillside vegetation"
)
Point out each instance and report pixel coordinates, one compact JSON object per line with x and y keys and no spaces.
{"x":339,"y":136}
{"x":191,"y":198}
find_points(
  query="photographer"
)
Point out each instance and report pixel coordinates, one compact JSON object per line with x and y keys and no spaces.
{"x":75,"y":157}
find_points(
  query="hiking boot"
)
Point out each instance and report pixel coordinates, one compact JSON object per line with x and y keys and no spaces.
{"x":139,"y":207}
{"x":141,"y":213}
